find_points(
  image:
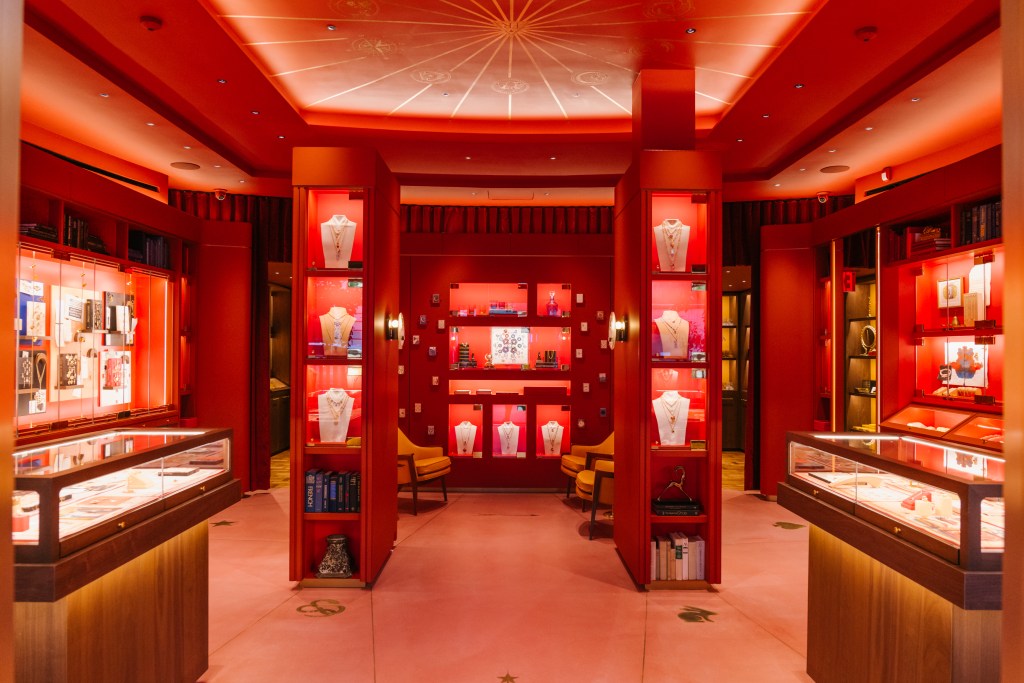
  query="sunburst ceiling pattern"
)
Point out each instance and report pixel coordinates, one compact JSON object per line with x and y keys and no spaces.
{"x":505,"y":60}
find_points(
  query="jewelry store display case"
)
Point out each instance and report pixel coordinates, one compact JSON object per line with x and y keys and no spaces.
{"x":907,"y":535}
{"x":74,"y":493}
{"x":344,"y":361}
{"x":669,"y":421}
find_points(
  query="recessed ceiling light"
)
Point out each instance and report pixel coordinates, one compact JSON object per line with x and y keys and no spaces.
{"x":222,"y":81}
{"x":778,"y":185}
{"x":798,"y":85}
{"x":216,"y":165}
{"x":104,"y":94}
{"x":280,"y":137}
{"x":188,"y":146}
{"x":547,"y":194}
{"x":691,"y":30}
{"x":552,"y":158}
{"x":332,"y":27}
{"x":150,"y":123}
{"x":468,"y":158}
{"x":869,"y":128}
{"x":241,"y":181}
{"x":833,"y":150}
{"x":255,"y":112}
{"x":915,"y":99}
{"x":739,"y":139}
{"x":444,"y":94}
{"x":472,"y":194}
{"x":835,"y":169}
{"x":185,"y":165}
{"x":765,"y":115}
{"x":803,"y":169}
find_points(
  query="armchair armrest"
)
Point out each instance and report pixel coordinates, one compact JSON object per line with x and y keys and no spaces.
{"x":409,"y":460}
{"x":594,"y":455}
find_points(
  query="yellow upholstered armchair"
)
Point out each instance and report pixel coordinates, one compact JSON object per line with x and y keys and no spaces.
{"x":420,"y":464}
{"x":596,"y":483}
{"x":575,"y":460}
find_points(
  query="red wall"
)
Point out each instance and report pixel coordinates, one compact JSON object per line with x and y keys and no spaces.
{"x":426,"y":274}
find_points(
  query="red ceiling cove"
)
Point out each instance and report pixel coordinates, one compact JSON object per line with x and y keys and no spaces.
{"x":467,"y":95}
{"x":504,"y":60}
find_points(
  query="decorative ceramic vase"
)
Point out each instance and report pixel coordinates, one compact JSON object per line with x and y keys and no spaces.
{"x":336,"y":564}
{"x":552,"y":304}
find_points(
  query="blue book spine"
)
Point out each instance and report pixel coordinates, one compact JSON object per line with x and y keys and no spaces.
{"x":332,"y":492}
{"x":343,"y":494}
{"x":356,"y":493}
{"x":318,"y":492}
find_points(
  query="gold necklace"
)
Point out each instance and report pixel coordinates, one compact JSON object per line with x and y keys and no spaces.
{"x":336,"y":405}
{"x":551,"y":438}
{"x":673,"y":329}
{"x":671,"y":410}
{"x":672,"y":230}
{"x":505,"y":431}
{"x":465,"y":437}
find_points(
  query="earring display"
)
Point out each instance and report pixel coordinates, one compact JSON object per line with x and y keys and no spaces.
{"x":338,"y":236}
{"x":671,"y":411}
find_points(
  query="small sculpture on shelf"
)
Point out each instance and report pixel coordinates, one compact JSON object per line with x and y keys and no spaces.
{"x":336,"y":563}
{"x":552,"y":307}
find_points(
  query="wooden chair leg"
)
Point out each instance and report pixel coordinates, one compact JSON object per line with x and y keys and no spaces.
{"x":415,"y":491}
{"x":593,"y":518}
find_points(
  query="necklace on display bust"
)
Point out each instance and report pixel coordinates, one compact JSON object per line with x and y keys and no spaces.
{"x":464,"y":436}
{"x":672,"y":323}
{"x":672,"y":229}
{"x":338,"y":316}
{"x":337,"y":228}
{"x":335,"y":403}
{"x":507,"y":431}
{"x":551,"y":437}
{"x":671,"y":401}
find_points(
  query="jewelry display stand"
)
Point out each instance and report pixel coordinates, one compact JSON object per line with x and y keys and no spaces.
{"x":551,"y":433}
{"x":671,"y":411}
{"x":508,"y":438}
{"x":465,"y":437}
{"x":673,"y":335}
{"x":672,"y":237}
{"x":345,"y":288}
{"x":337,"y":236}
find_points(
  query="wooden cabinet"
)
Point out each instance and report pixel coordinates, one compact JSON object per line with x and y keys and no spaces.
{"x":344,"y":363}
{"x":668,"y":420}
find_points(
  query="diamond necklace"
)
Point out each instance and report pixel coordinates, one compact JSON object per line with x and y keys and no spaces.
{"x":336,"y":405}
{"x":506,"y":431}
{"x":465,"y":439}
{"x":551,"y":438}
{"x":673,"y":329}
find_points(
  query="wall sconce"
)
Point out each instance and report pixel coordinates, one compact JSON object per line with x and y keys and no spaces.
{"x":887,"y":174}
{"x":391,"y":326}
{"x":618,"y":329}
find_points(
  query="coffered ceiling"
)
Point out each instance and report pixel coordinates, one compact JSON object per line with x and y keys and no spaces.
{"x":462,"y":96}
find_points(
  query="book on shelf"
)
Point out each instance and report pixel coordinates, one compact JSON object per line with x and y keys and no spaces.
{"x":331,"y":491}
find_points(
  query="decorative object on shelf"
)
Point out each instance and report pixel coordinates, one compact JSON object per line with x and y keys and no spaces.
{"x":552,"y":436}
{"x":951,"y":293}
{"x":487,"y":361}
{"x":965,"y":360}
{"x":336,"y":563}
{"x":672,"y":237}
{"x":115,"y":377}
{"x":334,"y":412}
{"x":868,"y":339}
{"x":685,"y":506}
{"x":508,"y":437}
{"x":552,"y":307}
{"x":673,"y":333}
{"x":336,"y":328}
{"x":510,"y":345}
{"x":465,"y":437}
{"x":671,"y":411}
{"x":466,"y":358}
{"x":35,"y":319}
{"x":337,"y":236}
{"x":70,"y":364}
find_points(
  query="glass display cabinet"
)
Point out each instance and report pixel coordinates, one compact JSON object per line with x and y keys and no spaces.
{"x":94,"y":341}
{"x":941,"y":498}
{"x":72,"y":493}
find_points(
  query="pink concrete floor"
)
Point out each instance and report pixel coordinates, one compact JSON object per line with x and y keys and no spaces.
{"x":505,"y":587}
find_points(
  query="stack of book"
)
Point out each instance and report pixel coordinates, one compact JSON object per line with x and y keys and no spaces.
{"x":39,"y":231}
{"x":981,"y":222}
{"x":329,"y":491}
{"x":676,"y":507}
{"x":677,"y":557}
{"x":924,"y":239}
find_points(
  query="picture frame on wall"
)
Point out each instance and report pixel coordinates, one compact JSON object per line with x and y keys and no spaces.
{"x":951,"y":293}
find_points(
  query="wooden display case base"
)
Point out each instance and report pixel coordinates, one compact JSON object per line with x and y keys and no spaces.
{"x":146,"y":620}
{"x":867,"y":622}
{"x":332,"y":583}
{"x":678,"y":586}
